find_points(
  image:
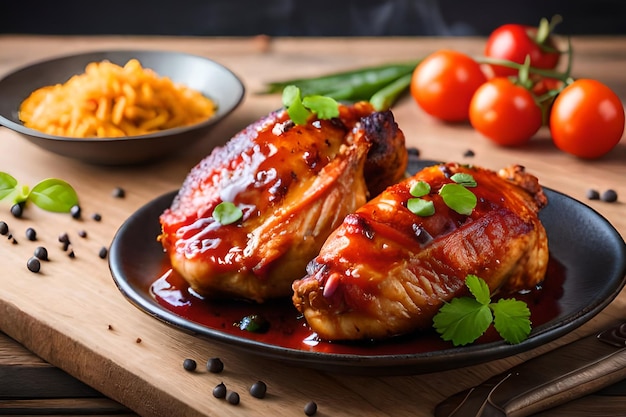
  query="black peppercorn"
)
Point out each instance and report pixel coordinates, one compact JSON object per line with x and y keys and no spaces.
{"x":592,"y":194}
{"x":31,"y":234}
{"x":4,"y":228}
{"x":17,"y":210}
{"x":610,"y":196}
{"x":310,"y":408}
{"x":233,"y":398}
{"x":118,"y":192}
{"x":75,"y":211}
{"x":33,"y":264}
{"x":97,"y":217}
{"x":219,"y":391}
{"x":41,"y":253}
{"x":189,"y":365}
{"x":103,"y":252}
{"x":258,"y":389}
{"x":215,"y":365}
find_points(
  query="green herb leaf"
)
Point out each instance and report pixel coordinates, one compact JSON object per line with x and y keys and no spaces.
{"x":464,"y":179}
{"x":421,"y":207}
{"x":323,"y":107}
{"x":465,"y":319}
{"x":8,"y":184}
{"x":479,"y":289}
{"x":293,"y":103}
{"x":458,"y":198}
{"x":227,"y":213}
{"x":254,"y":324}
{"x":420,"y":189}
{"x":462,"y":320}
{"x":53,"y":194}
{"x":512,"y":319}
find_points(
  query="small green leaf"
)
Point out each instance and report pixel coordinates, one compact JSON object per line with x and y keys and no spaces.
{"x":462,"y":320}
{"x":323,"y":107}
{"x":464,"y":179}
{"x":293,"y":103}
{"x":53,"y":194}
{"x":420,"y":189}
{"x":421,"y":207}
{"x":479,"y":289}
{"x":227,"y":213}
{"x":512,"y":319}
{"x":458,"y":198}
{"x":8,"y":185}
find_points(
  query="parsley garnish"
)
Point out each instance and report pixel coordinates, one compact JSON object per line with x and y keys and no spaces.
{"x":299,"y":109}
{"x":227,"y":213}
{"x":51,"y":194}
{"x":465,"y":319}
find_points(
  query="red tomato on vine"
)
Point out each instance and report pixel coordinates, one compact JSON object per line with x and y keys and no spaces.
{"x":444,"y":82}
{"x":587,"y":119}
{"x":504,"y":112}
{"x":514,"y":42}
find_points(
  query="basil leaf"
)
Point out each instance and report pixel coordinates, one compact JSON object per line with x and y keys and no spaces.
{"x":420,"y":189}
{"x":8,"y":184}
{"x":54,"y":194}
{"x":421,"y":207}
{"x":458,"y":198}
{"x":227,"y":213}
{"x":323,"y":107}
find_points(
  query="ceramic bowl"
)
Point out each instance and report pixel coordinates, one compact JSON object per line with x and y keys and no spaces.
{"x":205,"y":75}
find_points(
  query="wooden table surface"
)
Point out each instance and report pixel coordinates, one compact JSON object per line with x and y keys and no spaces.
{"x":80,"y":328}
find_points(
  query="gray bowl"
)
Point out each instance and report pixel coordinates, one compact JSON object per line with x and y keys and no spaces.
{"x":212,"y":79}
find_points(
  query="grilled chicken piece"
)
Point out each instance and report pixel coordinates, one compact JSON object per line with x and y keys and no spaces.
{"x":294,"y":184}
{"x":386,"y":271}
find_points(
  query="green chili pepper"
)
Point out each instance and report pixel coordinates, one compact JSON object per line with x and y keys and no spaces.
{"x":353,"y":85}
{"x":386,"y":96}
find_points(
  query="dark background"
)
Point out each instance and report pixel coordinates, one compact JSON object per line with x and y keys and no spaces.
{"x":305,"y":18}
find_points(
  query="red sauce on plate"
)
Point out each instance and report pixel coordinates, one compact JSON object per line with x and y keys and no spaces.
{"x":289,"y":330}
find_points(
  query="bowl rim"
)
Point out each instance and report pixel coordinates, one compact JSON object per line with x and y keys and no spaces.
{"x":20,"y":128}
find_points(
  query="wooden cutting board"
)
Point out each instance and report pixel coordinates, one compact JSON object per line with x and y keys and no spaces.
{"x":72,"y":314}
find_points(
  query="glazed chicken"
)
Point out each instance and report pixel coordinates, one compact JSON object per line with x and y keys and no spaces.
{"x":387,"y":271}
{"x":294,"y":185}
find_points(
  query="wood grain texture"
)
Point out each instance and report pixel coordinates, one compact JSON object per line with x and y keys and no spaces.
{"x":72,"y":315}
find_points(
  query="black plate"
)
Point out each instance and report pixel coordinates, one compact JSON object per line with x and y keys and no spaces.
{"x":589,"y":253}
{"x":212,"y":79}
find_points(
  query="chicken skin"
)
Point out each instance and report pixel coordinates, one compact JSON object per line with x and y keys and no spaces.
{"x":294,"y":185}
{"x":386,"y":271}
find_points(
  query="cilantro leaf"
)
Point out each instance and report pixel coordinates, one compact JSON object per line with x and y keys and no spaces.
{"x":299,"y":109}
{"x":458,"y":198}
{"x":512,"y":319}
{"x":462,"y":320}
{"x":227,"y":213}
{"x":464,"y":179}
{"x":293,"y":103}
{"x":465,"y":319}
{"x":323,"y":107}
{"x":420,"y":207}
{"x":54,"y":194}
{"x":420,"y":189}
{"x":479,"y":289}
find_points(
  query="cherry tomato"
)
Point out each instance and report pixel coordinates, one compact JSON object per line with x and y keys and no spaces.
{"x":514,"y":42}
{"x":587,"y":119}
{"x":444,"y":82}
{"x":505,"y":112}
